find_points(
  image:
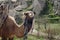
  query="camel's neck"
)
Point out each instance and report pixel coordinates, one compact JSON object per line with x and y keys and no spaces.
{"x":28,"y":22}
{"x":27,"y":25}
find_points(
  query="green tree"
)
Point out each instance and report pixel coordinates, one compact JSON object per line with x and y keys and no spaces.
{"x":48,"y":8}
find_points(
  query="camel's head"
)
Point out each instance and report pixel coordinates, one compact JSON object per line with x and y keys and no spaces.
{"x":29,"y":14}
{"x":3,"y":9}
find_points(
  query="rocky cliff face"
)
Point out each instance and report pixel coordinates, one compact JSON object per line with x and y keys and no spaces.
{"x":37,"y":5}
{"x":57,"y":6}
{"x":55,"y":2}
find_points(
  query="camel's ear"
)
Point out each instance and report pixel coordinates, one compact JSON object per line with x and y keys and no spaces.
{"x":34,"y":13}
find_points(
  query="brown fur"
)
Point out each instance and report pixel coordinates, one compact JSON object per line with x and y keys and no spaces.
{"x":9,"y":29}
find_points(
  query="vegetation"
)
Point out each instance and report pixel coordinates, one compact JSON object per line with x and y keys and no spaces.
{"x":49,"y":12}
{"x":48,"y":8}
{"x":46,"y":22}
{"x":30,"y":37}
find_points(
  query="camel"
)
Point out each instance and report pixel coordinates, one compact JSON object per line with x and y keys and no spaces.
{"x":10,"y":28}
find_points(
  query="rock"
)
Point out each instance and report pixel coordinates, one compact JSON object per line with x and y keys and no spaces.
{"x":23,"y":3}
{"x":36,"y":6}
{"x":12,"y":13}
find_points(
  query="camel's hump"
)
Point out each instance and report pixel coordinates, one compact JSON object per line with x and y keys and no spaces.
{"x":13,"y":19}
